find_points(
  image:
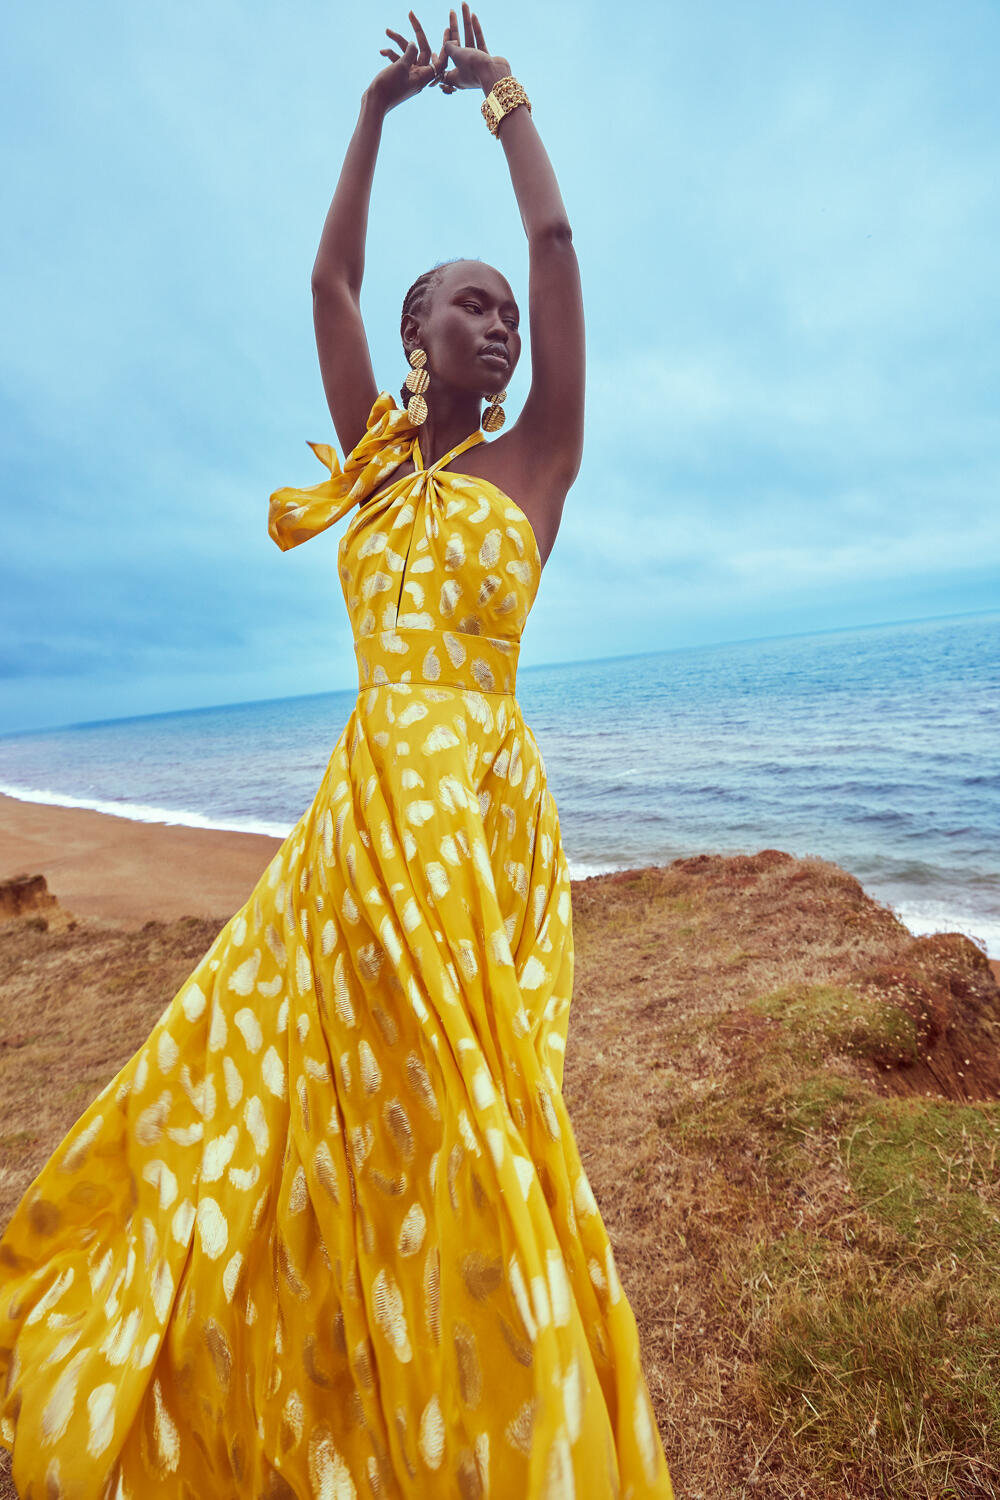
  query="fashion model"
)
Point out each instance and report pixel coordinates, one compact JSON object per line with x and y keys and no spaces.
{"x":327,"y":1233}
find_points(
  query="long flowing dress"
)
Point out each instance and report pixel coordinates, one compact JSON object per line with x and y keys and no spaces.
{"x":327,"y":1234}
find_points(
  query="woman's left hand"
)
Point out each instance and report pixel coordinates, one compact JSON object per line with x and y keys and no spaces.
{"x":474,"y":64}
{"x":409,"y":70}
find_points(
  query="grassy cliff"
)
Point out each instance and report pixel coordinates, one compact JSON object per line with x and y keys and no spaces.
{"x":786,"y":1107}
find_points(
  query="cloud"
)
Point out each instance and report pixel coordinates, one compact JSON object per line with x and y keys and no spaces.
{"x":786,"y":224}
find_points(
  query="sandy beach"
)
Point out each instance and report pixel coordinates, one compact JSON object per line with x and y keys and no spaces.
{"x":97,"y":865}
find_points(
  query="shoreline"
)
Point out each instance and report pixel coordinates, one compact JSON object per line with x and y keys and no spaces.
{"x":98,"y":864}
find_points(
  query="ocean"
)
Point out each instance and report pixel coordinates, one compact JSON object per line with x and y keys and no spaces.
{"x":877,"y":748}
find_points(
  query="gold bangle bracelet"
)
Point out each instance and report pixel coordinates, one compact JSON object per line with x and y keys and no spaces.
{"x":505,"y":95}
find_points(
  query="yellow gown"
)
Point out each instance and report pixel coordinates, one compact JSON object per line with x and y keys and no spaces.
{"x":327,"y":1234}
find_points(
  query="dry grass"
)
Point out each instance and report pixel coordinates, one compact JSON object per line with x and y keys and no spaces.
{"x":785,"y":1105}
{"x":800,"y":1193}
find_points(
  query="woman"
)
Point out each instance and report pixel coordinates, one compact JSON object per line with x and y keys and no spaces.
{"x":327,"y":1233}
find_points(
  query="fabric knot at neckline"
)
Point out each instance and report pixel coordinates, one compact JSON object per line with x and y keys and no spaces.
{"x":437,"y":658}
{"x":391,"y":438}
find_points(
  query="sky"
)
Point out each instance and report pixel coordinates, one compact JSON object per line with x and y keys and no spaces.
{"x":787,"y":222}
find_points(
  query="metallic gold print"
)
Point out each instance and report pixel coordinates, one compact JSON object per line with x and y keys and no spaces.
{"x":431,"y":1434}
{"x":403,"y":1441}
{"x":467,"y":1476}
{"x":276,"y":1487}
{"x":455,"y":1157}
{"x":479,"y":1196}
{"x":340,"y":1166}
{"x":520,"y":1350}
{"x":292,"y":1421}
{"x":290,"y":1271}
{"x":166,"y":1437}
{"x":481,"y":1273}
{"x":400,"y":1130}
{"x":412,"y":1231}
{"x":386,"y":1025}
{"x":361,"y":1363}
{"x":326,"y":1171}
{"x":519,"y":1429}
{"x":432,"y":1293}
{"x":238,"y":1457}
{"x":470,"y":1374}
{"x":312,"y":1365}
{"x":222,"y":1354}
{"x":43,"y":1217}
{"x":390,"y":1314}
{"x":392,"y":1187}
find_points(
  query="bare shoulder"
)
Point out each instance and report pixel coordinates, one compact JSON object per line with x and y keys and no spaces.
{"x":535,"y":479}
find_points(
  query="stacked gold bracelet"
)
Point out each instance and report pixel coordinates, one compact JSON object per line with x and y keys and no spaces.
{"x":505,"y":95}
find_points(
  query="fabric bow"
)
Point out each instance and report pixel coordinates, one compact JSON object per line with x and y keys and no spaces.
{"x":296,"y":515}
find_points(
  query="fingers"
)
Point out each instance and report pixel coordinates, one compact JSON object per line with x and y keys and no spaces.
{"x":408,"y":55}
{"x":439,"y":60}
{"x":480,"y":39}
{"x":399,"y":40}
{"x":425,"y":46}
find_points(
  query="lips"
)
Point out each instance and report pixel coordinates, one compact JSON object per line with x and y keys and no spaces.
{"x":495,"y":351}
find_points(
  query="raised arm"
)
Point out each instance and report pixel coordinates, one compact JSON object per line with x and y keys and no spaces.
{"x":551,"y":422}
{"x":344,"y":357}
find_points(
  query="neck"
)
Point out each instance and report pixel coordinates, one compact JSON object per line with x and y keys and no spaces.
{"x":452,"y":416}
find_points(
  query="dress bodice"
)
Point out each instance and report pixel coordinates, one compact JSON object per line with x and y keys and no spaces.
{"x":425,"y":563}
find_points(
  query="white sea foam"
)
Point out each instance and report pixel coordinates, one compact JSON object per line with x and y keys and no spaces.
{"x":581,"y":869}
{"x":141,"y":812}
{"x":925,"y":918}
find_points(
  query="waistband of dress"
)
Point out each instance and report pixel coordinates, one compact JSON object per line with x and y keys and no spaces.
{"x":441,"y":658}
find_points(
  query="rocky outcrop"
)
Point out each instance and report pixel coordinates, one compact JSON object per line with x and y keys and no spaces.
{"x":29,"y":896}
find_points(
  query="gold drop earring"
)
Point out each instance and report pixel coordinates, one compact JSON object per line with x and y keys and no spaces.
{"x":494,"y":416}
{"x":417,"y":381}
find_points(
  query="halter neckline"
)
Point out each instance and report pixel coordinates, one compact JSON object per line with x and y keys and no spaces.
{"x":390,"y":439}
{"x":418,"y":457}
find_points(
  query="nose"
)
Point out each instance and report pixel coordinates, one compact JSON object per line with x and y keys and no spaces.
{"x":498,"y":331}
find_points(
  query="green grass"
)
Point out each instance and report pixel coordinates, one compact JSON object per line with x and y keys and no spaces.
{"x":818,"y":1019}
{"x":872,"y":1325}
{"x":899,"y":1375}
{"x":883,"y":1346}
{"x":929,"y":1169}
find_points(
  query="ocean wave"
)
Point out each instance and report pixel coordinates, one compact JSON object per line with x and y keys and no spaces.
{"x":925,"y":918}
{"x":142,"y":812}
{"x":582,"y":869}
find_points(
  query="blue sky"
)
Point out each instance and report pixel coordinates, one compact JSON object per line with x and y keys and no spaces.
{"x":787,"y":223}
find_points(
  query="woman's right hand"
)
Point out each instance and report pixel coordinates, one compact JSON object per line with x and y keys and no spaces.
{"x":410,"y":70}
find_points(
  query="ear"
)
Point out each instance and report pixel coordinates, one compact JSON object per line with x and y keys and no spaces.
{"x":409,"y":330}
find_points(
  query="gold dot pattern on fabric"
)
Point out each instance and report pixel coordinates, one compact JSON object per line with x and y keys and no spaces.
{"x":327,"y":1232}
